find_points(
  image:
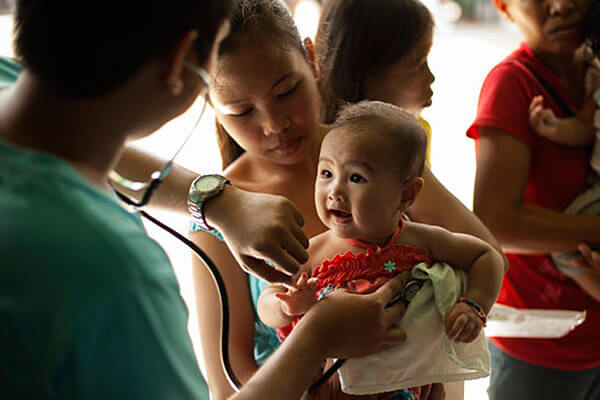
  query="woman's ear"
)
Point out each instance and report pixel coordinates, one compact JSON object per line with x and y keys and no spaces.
{"x":410,"y":191}
{"x":175,"y":61}
{"x":309,"y":51}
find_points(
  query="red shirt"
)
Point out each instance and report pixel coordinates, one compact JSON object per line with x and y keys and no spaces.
{"x":557,"y":175}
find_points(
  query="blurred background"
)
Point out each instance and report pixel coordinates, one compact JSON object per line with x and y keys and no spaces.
{"x":470,"y":38}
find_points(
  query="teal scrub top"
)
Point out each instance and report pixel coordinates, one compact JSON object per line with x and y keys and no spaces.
{"x":89,"y":304}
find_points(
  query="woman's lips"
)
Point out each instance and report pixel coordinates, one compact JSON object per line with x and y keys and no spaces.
{"x":341,"y":217}
{"x":565,"y":31}
{"x":288,"y":148}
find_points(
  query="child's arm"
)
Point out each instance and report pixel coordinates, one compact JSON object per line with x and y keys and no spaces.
{"x":576,"y":131}
{"x":278,"y":306}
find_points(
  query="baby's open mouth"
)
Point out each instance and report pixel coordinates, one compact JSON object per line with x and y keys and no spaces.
{"x":341,"y":216}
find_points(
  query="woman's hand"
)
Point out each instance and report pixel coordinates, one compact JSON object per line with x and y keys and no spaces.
{"x":258,"y":227}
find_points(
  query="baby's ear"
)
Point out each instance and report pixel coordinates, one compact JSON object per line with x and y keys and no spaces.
{"x":410,"y":191}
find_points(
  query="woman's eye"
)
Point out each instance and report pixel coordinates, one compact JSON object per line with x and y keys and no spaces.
{"x":242,"y":114}
{"x":356,"y":178}
{"x":325,"y":174}
{"x":289,"y":91}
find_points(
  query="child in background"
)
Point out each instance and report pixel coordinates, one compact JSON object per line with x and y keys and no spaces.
{"x":382,"y":58}
{"x":369,"y":174}
{"x":580,"y":130}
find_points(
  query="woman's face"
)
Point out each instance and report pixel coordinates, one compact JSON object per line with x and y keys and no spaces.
{"x":406,"y":83}
{"x":266,"y":98}
{"x":548,"y":26}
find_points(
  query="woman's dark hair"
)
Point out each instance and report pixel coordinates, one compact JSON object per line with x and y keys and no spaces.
{"x":358,"y":39}
{"x":87,"y":48}
{"x":591,"y":27}
{"x":255,"y":21}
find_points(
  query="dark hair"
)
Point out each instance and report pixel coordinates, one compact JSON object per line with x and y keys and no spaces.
{"x":255,"y":21}
{"x":357,"y":39}
{"x":591,"y":27}
{"x":402,"y":137}
{"x":89,"y":48}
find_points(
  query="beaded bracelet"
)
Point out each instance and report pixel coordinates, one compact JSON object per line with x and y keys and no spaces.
{"x":476,"y":307}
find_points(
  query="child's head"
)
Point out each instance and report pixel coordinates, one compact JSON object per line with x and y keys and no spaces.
{"x":85,"y":49}
{"x":374,"y":50}
{"x":369,"y":170}
{"x":265,"y":94}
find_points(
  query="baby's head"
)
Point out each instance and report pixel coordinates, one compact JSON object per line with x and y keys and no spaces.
{"x":369,"y":170}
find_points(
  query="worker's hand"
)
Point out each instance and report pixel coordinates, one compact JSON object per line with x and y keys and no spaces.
{"x":347,"y":325}
{"x":258,"y":227}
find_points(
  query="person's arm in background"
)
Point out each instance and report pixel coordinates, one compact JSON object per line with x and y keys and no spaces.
{"x":435,"y":205}
{"x":252,"y":236}
{"x":366,"y":326}
{"x":502,"y":169}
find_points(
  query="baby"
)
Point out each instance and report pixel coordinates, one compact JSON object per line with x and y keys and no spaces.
{"x":582,"y":129}
{"x":369,"y":173}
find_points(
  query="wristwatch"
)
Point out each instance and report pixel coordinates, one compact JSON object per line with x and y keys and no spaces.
{"x":204,"y":188}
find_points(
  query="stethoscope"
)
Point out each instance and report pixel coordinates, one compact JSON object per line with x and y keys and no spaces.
{"x":148,"y":188}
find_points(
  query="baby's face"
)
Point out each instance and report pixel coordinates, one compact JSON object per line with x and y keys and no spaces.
{"x":357,"y":192}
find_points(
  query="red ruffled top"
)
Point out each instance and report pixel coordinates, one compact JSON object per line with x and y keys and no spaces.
{"x":364,"y":272}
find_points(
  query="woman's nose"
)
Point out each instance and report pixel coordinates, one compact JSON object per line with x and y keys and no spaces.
{"x":275,"y":122}
{"x":561,"y":7}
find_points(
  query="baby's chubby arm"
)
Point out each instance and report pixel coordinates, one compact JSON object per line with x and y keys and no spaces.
{"x":576,"y":131}
{"x":484,"y":265}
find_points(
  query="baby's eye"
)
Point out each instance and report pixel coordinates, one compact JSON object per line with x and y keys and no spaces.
{"x":356,"y":178}
{"x":325,"y":173}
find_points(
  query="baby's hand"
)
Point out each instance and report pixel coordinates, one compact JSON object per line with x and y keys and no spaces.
{"x":462,"y":323}
{"x":300,"y":298}
{"x":542,"y":120}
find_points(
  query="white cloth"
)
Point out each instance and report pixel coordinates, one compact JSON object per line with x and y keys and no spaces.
{"x":427,"y":355}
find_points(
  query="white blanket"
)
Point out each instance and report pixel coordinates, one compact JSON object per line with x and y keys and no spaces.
{"x":427,"y":355}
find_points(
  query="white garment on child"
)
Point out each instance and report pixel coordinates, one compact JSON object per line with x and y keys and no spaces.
{"x":592,"y":80}
{"x":427,"y":355}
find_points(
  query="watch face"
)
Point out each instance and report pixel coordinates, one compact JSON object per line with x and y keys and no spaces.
{"x":207,"y":184}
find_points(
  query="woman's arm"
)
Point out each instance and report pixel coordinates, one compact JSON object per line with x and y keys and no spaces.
{"x":241,"y":316}
{"x":343,"y":325}
{"x":502,"y":170}
{"x":435,"y":205}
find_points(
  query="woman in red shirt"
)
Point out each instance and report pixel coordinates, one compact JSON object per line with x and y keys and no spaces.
{"x":523,"y":183}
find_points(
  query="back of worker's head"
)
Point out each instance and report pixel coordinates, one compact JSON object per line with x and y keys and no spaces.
{"x":87,"y":48}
